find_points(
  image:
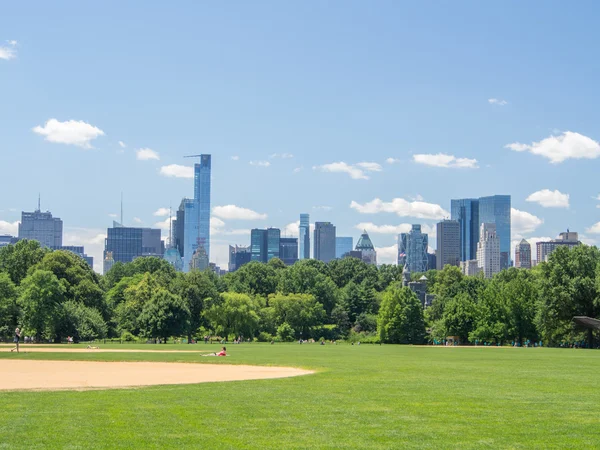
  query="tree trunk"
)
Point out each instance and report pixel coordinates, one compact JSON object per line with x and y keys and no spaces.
{"x":590,"y":338}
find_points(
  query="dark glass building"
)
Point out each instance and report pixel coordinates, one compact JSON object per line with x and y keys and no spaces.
{"x":179,"y":229}
{"x":466,"y":213}
{"x":238,"y":256}
{"x":448,"y":244}
{"x":264,"y":244}
{"x":197,"y":213}
{"x":127,"y":243}
{"x":304,"y":237}
{"x":496,"y":210}
{"x":288,"y":250}
{"x":324,"y":241}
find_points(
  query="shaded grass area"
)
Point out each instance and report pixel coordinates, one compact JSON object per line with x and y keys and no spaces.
{"x":360,"y":397}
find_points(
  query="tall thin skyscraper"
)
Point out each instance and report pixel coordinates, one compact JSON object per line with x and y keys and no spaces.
{"x":304,"y":238}
{"x":324,"y":241}
{"x":488,"y":250}
{"x":197,"y":213}
{"x":523,"y":255}
{"x":412,"y":249}
{"x":448,"y":244}
{"x":466,"y":212}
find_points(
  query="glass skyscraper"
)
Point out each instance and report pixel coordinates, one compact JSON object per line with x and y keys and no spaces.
{"x":343,"y":245}
{"x":412,"y":249}
{"x":42,"y":227}
{"x":288,"y":250}
{"x":264,"y":244}
{"x":471,"y":213}
{"x":324,"y":241}
{"x":496,"y":210}
{"x":197,"y":213}
{"x":304,"y":238}
{"x":466,"y":212}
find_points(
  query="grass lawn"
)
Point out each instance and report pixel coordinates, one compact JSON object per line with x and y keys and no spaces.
{"x":361,"y":397}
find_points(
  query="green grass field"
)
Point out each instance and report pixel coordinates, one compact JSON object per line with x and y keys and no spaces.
{"x":361,"y":397}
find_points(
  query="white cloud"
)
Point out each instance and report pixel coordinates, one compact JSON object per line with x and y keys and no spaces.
{"x":523,"y":222}
{"x":341,"y":167}
{"x":444,"y":160}
{"x":298,"y":169}
{"x":392,"y":160}
{"x":497,"y":101}
{"x":550,"y":199}
{"x":370,"y":227}
{"x":11,"y":228}
{"x":588,"y":240}
{"x":260,"y":163}
{"x":92,"y":239}
{"x":370,"y":166}
{"x":177,"y":171}
{"x":161,"y":212}
{"x":237,"y":213}
{"x":144,"y":154}
{"x":293,"y":229}
{"x":560,"y":148}
{"x":9,"y":52}
{"x":137,"y":220}
{"x":387,"y":255}
{"x":217,"y":226}
{"x":122,"y":144}
{"x":403,"y":208}
{"x":71,"y":132}
{"x":164,"y":224}
{"x":234,"y":158}
{"x":594,"y":229}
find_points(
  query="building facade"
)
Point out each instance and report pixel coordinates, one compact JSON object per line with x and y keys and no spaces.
{"x":469,"y":268}
{"x":523,"y":255}
{"x":324,"y":241}
{"x":343,"y":245}
{"x":366,"y":248}
{"x":179,"y":229}
{"x":238,"y":256}
{"x":288,"y":250}
{"x":545,"y":248}
{"x":496,"y":210}
{"x":264,"y":244}
{"x":466,"y":212}
{"x":7,"y":239}
{"x":304,"y":238}
{"x":127,"y":243}
{"x":197,"y":213}
{"x":488,"y":250}
{"x":42,"y":227}
{"x":412,"y":249}
{"x":448,"y":244}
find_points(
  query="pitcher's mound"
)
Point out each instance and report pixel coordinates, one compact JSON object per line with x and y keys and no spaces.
{"x":54,"y":375}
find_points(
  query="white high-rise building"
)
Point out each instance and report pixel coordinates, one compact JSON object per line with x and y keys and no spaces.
{"x":488,"y":250}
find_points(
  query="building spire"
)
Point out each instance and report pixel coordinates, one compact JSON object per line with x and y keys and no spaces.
{"x":39,"y":201}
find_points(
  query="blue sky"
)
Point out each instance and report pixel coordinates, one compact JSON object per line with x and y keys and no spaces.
{"x":447,"y":92}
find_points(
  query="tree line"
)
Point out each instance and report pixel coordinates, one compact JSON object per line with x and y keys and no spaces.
{"x":55,"y":294}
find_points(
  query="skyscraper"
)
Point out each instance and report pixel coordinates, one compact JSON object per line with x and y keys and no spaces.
{"x":466,"y":213}
{"x":412,"y":249}
{"x":324,"y":241}
{"x":448,"y":244}
{"x":304,"y":238}
{"x":343,"y":245}
{"x":264,"y":244}
{"x":544,"y":249}
{"x":488,"y":250}
{"x":523,"y":255}
{"x":42,"y":227}
{"x":197,"y":213}
{"x":238,"y":256}
{"x":127,"y":243}
{"x":288,"y":250}
{"x":366,"y":248}
{"x":179,"y":228}
{"x":496,"y":210}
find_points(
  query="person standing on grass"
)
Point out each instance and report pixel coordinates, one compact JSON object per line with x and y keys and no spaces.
{"x":16,"y":340}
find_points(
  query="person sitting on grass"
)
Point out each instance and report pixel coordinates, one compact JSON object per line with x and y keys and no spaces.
{"x":223,"y":352}
{"x":89,"y":347}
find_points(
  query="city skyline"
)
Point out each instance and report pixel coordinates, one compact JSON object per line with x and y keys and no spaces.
{"x":329,"y":123}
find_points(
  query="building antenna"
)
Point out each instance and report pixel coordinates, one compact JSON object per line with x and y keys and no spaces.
{"x":121,"y":207}
{"x":39,"y":201}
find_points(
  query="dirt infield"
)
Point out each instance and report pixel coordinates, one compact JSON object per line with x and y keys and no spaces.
{"x":57,"y":375}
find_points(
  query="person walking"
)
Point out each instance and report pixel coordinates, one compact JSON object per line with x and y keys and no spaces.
{"x":16,"y":340}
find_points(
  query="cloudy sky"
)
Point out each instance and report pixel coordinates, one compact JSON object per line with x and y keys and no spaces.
{"x":369,"y":115}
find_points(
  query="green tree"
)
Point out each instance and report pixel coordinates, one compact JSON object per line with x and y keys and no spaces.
{"x":16,"y":260}
{"x":254,"y":278}
{"x":9,"y":309}
{"x":459,"y":316}
{"x":81,"y":322}
{"x":343,"y":271}
{"x":400,"y":319}
{"x":198,"y":291}
{"x":358,"y":299}
{"x":568,"y":287}
{"x":237,"y":314}
{"x":285,"y":332}
{"x":305,"y":277}
{"x":301,"y":311}
{"x":164,"y":315}
{"x":41,"y":294}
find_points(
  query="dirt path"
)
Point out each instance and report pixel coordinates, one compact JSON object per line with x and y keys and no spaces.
{"x":56,"y":375}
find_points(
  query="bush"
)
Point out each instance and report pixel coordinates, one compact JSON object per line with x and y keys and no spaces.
{"x":264,"y":337}
{"x":363,"y":338}
{"x":128,"y":337}
{"x":285,"y":332}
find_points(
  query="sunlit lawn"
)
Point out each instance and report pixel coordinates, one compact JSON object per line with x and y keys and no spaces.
{"x":361,"y":397}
